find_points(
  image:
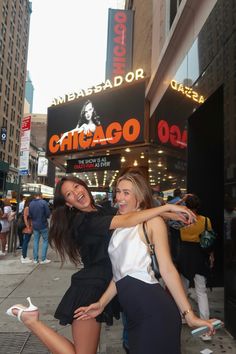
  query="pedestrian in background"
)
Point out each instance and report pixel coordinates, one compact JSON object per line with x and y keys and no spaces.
{"x":19,"y":229}
{"x":39,"y":213}
{"x":7,"y":209}
{"x":194,"y":262}
{"x":27,"y":231}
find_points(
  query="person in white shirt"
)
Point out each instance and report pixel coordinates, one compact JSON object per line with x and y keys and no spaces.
{"x":5,"y":225}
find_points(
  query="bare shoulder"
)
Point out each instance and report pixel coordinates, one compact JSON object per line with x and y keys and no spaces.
{"x":155,"y":222}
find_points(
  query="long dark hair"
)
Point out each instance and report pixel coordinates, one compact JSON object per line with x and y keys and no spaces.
{"x":95,"y":117}
{"x":61,"y":232}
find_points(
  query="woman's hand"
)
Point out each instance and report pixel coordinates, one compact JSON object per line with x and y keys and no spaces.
{"x":88,"y":312}
{"x":194,"y":321}
{"x":28,"y":230}
{"x":186,"y":215}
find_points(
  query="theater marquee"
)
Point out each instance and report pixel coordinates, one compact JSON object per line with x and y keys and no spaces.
{"x":111,"y":118}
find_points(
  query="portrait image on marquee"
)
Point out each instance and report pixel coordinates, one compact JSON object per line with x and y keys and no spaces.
{"x":87,"y":122}
{"x":112,"y":117}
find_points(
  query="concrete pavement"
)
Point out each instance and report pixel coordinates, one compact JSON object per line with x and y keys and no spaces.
{"x":46,"y":284}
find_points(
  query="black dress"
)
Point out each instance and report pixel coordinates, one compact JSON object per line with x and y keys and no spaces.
{"x":92,"y":236}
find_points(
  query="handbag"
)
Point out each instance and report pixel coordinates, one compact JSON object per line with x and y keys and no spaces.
{"x":207,"y":237}
{"x":21,"y":223}
{"x":154,"y":262}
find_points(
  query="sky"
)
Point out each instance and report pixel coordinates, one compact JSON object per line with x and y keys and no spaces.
{"x":67,"y":47}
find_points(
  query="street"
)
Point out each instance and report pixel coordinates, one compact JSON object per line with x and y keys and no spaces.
{"x":46,"y":284}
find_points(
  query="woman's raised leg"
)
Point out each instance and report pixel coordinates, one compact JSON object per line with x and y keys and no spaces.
{"x":86,"y":335}
{"x":55,"y":342}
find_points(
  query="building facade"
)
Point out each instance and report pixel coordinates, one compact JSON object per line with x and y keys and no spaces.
{"x":37,"y":152}
{"x":14,"y":35}
{"x":187,"y":49}
{"x":29,"y":92}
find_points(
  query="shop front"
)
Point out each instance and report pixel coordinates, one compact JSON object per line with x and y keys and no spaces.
{"x":194,"y":121}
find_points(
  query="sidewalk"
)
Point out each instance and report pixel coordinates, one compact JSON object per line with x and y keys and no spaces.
{"x":46,"y":284}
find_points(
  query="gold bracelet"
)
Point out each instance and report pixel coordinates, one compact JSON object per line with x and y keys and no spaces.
{"x":184,"y":314}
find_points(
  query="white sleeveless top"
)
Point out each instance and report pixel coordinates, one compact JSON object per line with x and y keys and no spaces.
{"x":129,"y":256}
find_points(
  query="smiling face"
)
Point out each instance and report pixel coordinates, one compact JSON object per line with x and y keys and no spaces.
{"x":125,"y":197}
{"x":76,"y":196}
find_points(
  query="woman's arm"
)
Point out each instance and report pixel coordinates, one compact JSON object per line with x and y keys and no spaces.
{"x":26,"y":217}
{"x":134,"y":218}
{"x":173,"y":216}
{"x":66,"y":134}
{"x":93,"y":310}
{"x":157,"y":230}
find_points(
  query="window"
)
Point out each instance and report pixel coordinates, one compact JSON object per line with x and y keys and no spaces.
{"x":174,"y":4}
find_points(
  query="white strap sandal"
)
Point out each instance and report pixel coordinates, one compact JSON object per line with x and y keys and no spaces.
{"x":21,"y":309}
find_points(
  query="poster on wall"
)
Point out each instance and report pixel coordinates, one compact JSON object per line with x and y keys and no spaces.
{"x":42,"y":166}
{"x":114,"y":117}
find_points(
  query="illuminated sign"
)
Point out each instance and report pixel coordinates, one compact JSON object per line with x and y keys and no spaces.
{"x":97,"y":163}
{"x":187,"y":91}
{"x":110,"y":119}
{"x":119,"y":42}
{"x":171,"y":134}
{"x":116,"y":82}
{"x":100,"y":138}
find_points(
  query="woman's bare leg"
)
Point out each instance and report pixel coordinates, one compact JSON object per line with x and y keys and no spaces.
{"x":86,"y":336}
{"x":55,"y":342}
{"x":3,"y":238}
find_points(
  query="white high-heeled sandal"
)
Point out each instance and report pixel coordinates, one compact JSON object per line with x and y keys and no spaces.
{"x":21,"y":309}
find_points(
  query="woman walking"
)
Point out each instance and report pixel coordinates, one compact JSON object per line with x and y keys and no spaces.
{"x":27,"y":231}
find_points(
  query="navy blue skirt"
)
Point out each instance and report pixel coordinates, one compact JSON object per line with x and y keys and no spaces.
{"x":154,"y":321}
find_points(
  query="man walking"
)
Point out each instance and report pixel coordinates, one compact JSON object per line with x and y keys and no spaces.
{"x":39,"y":212}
